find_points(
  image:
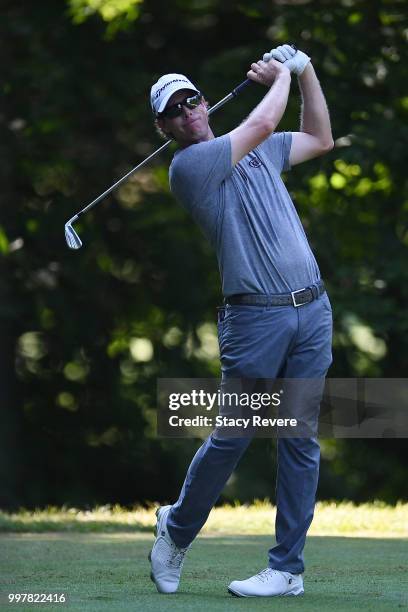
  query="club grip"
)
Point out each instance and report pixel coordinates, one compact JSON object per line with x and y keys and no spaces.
{"x":247,"y":82}
{"x":240,"y":87}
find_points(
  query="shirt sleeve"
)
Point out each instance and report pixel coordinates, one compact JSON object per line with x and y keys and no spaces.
{"x":198,"y":171}
{"x":277,"y":148}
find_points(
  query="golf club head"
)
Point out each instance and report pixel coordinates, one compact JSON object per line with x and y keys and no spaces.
{"x":72,"y":238}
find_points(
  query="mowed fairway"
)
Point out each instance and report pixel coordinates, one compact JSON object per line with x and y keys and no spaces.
{"x":110,"y":571}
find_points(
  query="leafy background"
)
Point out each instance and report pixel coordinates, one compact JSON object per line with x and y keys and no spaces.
{"x":85,"y":335}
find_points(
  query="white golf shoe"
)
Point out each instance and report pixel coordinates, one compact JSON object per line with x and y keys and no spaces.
{"x":268,"y":583}
{"x":165,"y":558}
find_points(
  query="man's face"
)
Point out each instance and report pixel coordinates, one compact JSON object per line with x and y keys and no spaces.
{"x":191,"y":126}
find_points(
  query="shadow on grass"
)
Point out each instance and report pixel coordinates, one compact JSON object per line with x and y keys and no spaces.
{"x":16,"y":525}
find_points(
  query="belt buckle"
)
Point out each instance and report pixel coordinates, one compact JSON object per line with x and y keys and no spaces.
{"x":293,"y":293}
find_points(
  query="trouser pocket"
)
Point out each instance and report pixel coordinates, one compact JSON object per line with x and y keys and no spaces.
{"x":220,"y":314}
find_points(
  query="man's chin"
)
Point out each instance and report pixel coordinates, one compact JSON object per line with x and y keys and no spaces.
{"x":194,"y":138}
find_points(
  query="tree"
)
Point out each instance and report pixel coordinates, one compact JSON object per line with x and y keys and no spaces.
{"x":86,"y":335}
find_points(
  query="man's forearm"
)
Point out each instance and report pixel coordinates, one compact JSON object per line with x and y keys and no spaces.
{"x":267,"y":114}
{"x":271,"y":108}
{"x":315,"y":119}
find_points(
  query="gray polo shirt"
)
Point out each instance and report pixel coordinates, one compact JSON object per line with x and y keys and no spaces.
{"x":246,"y":213}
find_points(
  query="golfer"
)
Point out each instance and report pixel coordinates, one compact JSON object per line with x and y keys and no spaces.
{"x":277,"y":320}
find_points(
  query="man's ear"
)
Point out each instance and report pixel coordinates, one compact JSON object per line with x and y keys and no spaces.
{"x":160,"y":123}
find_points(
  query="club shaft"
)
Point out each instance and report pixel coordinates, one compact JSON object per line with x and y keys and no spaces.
{"x":216,"y":106}
{"x":230,"y":96}
{"x":121,"y":180}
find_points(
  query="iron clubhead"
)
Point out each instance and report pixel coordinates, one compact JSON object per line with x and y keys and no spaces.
{"x":72,"y":238}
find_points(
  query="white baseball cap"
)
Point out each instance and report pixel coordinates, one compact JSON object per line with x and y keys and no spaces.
{"x":165,"y":87}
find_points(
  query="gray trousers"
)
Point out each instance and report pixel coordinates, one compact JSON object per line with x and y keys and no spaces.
{"x":264,"y":342}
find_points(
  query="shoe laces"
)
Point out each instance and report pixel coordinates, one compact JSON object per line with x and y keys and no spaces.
{"x":176,"y":556}
{"x":266,"y":574}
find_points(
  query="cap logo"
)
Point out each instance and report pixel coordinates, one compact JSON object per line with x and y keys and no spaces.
{"x":160,"y":91}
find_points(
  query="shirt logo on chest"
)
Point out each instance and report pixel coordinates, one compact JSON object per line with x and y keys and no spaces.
{"x":255,"y":163}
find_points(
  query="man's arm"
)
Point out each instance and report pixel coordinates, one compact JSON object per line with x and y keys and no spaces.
{"x":315,"y":137}
{"x":266,"y":116}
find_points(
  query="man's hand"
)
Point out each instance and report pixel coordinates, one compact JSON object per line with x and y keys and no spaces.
{"x":295,"y":60}
{"x":265,"y":73}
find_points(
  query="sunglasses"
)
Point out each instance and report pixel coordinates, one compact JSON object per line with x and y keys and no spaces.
{"x":175,"y":110}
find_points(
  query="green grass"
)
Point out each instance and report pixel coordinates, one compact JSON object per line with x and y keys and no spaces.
{"x":101,"y":570}
{"x":332,"y":519}
{"x":111,"y":572}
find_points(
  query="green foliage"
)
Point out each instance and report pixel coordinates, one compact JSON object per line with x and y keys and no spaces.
{"x":85,"y":335}
{"x":119,"y":14}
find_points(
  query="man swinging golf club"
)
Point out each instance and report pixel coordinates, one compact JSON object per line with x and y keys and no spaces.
{"x":277,"y":320}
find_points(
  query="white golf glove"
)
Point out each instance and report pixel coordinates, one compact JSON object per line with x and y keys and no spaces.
{"x":295,"y":60}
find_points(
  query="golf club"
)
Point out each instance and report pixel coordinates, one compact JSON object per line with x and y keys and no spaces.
{"x":71,"y":236}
